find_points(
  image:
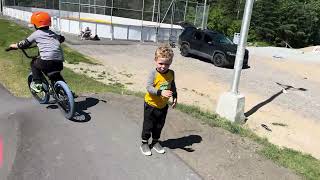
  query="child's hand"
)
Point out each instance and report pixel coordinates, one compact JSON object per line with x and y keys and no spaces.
{"x":14,"y":46}
{"x":166,"y":93}
{"x":174,"y":103}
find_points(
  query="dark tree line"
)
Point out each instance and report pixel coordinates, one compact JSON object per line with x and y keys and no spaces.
{"x":276,"y":22}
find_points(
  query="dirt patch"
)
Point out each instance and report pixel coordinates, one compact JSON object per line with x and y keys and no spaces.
{"x":200,"y":83}
{"x":309,"y":49}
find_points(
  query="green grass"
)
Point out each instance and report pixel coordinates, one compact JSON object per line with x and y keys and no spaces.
{"x":259,"y":44}
{"x":14,"y":67}
{"x":74,"y":57}
{"x":14,"y":70}
{"x":302,"y":164}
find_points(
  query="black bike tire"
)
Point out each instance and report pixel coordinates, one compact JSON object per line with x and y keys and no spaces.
{"x":60,"y":84}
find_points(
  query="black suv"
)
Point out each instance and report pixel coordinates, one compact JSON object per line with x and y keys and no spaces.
{"x":211,"y":45}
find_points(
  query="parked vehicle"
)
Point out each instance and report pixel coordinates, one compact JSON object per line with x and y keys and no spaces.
{"x":211,"y":45}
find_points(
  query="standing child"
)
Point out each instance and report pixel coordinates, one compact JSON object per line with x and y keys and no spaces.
{"x":160,"y":87}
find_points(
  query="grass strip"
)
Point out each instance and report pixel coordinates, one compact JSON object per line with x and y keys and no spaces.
{"x":302,"y":164}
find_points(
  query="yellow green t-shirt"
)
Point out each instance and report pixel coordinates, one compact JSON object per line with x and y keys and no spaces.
{"x":157,"y":82}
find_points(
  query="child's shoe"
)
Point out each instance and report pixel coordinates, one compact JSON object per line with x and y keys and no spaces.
{"x":157,"y":147}
{"x":36,"y":87}
{"x":145,"y":149}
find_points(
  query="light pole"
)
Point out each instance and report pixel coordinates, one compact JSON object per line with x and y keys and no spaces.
{"x":231,"y":104}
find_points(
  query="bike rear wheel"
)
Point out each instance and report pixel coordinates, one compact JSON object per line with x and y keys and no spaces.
{"x":43,"y":96}
{"x":64,"y":99}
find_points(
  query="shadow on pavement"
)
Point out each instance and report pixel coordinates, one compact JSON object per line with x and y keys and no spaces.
{"x":182,"y":142}
{"x":81,"y":106}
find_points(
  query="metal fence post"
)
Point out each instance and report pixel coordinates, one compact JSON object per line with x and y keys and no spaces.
{"x":59,"y":16}
{"x":185,"y":11}
{"x":142,"y":21}
{"x":172,"y":17}
{"x":195,"y":17}
{"x":79,"y":17}
{"x":1,"y":7}
{"x":153,"y":9}
{"x":158,"y":21}
{"x":111,"y":12}
{"x":204,"y":12}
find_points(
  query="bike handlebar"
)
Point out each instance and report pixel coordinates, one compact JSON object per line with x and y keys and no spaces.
{"x":23,"y":50}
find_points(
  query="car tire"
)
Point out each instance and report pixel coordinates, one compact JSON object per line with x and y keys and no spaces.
{"x":219,"y":60}
{"x":184,"y":50}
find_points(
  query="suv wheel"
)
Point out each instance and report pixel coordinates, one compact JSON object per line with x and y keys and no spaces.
{"x":184,"y":50}
{"x":219,"y":60}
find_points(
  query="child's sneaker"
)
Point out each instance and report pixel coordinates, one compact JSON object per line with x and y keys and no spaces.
{"x":157,"y":147}
{"x":145,"y":149}
{"x":36,"y":87}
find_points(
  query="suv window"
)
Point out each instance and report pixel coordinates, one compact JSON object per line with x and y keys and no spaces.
{"x":188,"y":31}
{"x":197,"y":35}
{"x":220,"y":38}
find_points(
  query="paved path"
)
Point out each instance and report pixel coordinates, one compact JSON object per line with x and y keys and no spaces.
{"x":103,"y":143}
{"x":40,"y":144}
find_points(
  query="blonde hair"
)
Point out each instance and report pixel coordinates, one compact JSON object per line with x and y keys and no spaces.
{"x":164,"y":51}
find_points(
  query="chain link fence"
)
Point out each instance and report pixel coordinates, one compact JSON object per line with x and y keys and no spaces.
{"x":153,"y":19}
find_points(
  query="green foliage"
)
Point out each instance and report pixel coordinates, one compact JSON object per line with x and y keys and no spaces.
{"x":294,"y":22}
{"x":224,"y":16}
{"x":14,"y":67}
{"x":277,"y":22}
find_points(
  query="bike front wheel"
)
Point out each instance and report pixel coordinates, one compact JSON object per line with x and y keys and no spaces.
{"x":64,"y":99}
{"x":43,"y":96}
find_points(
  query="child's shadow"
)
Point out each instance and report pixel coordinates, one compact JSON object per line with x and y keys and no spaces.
{"x":182,"y":142}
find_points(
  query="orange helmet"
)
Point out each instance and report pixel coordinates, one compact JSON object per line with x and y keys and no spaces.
{"x":41,"y":19}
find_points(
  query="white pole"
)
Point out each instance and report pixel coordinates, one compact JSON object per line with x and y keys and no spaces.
{"x":231,"y":104}
{"x":242,"y":45}
{"x":153,"y":9}
{"x":204,"y":12}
